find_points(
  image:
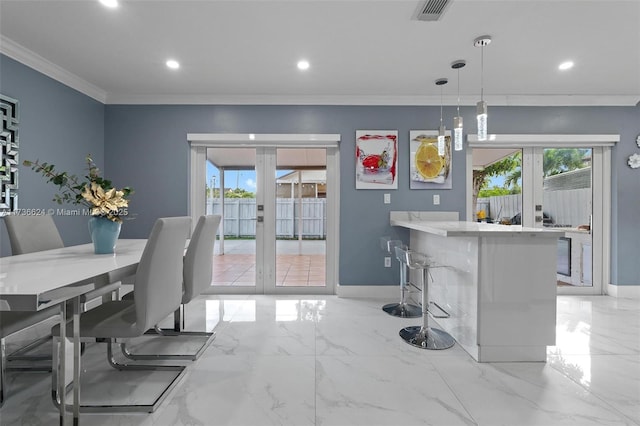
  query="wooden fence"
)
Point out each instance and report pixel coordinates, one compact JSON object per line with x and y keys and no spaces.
{"x":567,"y":208}
{"x":240,"y":217}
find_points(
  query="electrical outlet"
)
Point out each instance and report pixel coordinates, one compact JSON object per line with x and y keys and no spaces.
{"x":387,"y":198}
{"x":436,"y":199}
{"x":387,"y":262}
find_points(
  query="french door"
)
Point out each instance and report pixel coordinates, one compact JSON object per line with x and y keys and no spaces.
{"x":576,"y":202}
{"x":283,"y":236}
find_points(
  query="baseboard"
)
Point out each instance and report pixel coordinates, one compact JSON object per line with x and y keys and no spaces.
{"x":624,"y":291}
{"x":385,"y":292}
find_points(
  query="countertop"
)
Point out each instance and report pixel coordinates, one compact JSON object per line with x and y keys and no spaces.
{"x":474,"y":229}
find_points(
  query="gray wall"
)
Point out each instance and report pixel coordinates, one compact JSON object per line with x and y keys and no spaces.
{"x":58,"y":125}
{"x":146,"y":147}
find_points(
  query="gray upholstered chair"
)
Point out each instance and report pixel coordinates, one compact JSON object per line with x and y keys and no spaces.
{"x":156,"y":296}
{"x":197,"y":275}
{"x":11,"y":322}
{"x":28,"y":234}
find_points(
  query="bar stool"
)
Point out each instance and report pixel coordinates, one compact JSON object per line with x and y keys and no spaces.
{"x":401,"y":309}
{"x":423,"y":336}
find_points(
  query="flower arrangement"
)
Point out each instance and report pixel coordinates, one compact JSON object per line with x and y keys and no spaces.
{"x":96,"y":193}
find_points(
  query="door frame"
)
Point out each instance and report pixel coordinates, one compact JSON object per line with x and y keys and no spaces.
{"x":531,"y":145}
{"x":199,"y":142}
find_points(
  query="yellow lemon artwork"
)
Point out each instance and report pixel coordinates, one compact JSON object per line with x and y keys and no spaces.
{"x":428,"y":162}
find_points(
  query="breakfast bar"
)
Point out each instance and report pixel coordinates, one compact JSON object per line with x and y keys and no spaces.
{"x":497,"y":284}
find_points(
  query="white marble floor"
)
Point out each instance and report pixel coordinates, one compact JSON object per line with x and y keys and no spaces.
{"x":287,"y":360}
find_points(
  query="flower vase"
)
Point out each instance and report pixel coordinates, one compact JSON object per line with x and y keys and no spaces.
{"x":104,"y":234}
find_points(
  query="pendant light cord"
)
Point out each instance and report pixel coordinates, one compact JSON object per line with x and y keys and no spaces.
{"x":482,"y":73}
{"x":458,"y":92}
{"x":441,"y":105}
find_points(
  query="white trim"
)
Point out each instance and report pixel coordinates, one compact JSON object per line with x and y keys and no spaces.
{"x":33,"y":60}
{"x":363,"y":100}
{"x":265,"y":144}
{"x":624,"y":291}
{"x":601,"y":187}
{"x":385,"y":292}
{"x":542,"y":140}
{"x":264,"y":140}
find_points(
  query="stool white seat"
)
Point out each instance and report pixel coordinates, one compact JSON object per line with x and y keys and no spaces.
{"x":401,"y":309}
{"x":424,"y":336}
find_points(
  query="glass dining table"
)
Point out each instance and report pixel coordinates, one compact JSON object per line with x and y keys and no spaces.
{"x":36,"y":281}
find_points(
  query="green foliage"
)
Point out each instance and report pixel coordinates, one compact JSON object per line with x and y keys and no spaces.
{"x":239,"y":193}
{"x":494,"y":191}
{"x":560,"y":160}
{"x":69,"y":186}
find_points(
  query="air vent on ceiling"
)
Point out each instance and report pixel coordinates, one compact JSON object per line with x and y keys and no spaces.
{"x":432,"y":10}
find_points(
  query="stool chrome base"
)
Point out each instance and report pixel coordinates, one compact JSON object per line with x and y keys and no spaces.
{"x":427,"y":337}
{"x":403,"y":310}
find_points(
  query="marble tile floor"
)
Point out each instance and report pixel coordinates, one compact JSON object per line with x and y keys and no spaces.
{"x":318,"y":360}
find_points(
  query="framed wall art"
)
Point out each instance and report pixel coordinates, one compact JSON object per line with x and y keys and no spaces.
{"x":427,"y":168}
{"x":376,"y":159}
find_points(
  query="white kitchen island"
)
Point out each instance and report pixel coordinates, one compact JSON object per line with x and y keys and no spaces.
{"x":498,"y":286}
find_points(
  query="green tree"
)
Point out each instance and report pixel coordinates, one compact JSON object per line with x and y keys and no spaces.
{"x":505,"y":166}
{"x":560,"y":160}
{"x":239,"y":193}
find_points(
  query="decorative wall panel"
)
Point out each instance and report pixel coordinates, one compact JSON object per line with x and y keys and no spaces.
{"x":9,"y":161}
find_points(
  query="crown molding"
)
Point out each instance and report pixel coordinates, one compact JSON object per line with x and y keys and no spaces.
{"x":25,"y":56}
{"x":354,"y":100}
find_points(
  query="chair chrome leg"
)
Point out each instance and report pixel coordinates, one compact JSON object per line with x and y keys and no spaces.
{"x":178,"y":327}
{"x":2,"y":372}
{"x":210,"y":336}
{"x":113,"y":408}
{"x":19,"y":354}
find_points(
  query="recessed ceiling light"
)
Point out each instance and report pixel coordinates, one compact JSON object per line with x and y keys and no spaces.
{"x":565,"y":65}
{"x":110,"y":3}
{"x":173,"y":64}
{"x":303,"y":65}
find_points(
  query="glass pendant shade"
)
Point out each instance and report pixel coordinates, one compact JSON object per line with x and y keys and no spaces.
{"x":441,"y":147}
{"x":457,"y":133}
{"x":481,"y":109}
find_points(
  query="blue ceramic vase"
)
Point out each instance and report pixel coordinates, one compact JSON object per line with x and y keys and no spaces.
{"x":104,"y":234}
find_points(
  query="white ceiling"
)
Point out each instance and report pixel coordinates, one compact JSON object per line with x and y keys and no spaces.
{"x":361,"y":51}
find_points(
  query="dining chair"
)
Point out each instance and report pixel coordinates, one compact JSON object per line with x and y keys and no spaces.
{"x":28,"y":234}
{"x":197,"y":275}
{"x":12,"y":322}
{"x":156,"y":296}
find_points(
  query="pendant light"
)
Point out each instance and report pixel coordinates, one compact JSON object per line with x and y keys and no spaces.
{"x":441,"y":82}
{"x":457,"y":121}
{"x":481,"y":107}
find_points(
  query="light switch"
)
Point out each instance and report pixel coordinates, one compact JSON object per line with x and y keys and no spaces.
{"x":436,"y":199}
{"x":387,"y":198}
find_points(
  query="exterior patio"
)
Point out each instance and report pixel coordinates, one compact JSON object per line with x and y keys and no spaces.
{"x":298,"y":264}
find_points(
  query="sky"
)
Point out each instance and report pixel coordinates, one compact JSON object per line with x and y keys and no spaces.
{"x":244,"y":179}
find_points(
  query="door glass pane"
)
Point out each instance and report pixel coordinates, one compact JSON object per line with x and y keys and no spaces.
{"x":301,"y":192}
{"x":231,"y":181}
{"x":497,"y":185}
{"x":567,"y":205}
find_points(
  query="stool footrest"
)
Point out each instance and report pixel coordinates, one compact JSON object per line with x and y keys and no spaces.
{"x":444,"y":314}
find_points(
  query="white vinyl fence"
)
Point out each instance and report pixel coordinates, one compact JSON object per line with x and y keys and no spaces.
{"x":566,"y":208}
{"x":240,"y":217}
